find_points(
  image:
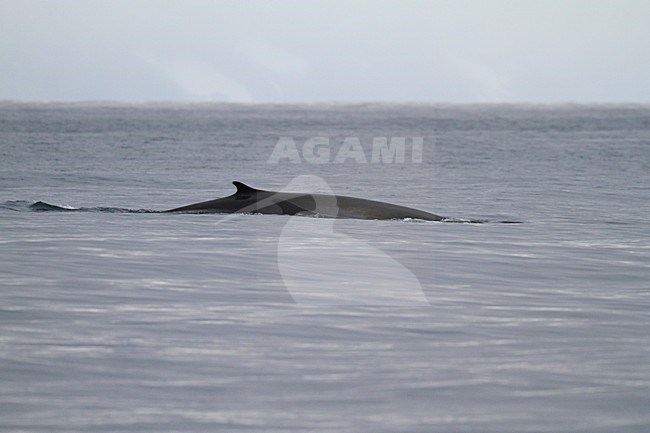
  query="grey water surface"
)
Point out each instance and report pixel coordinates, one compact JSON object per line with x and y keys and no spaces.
{"x":115,"y":317}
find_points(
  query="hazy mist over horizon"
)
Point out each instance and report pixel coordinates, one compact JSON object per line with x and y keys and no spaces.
{"x":332,"y":51}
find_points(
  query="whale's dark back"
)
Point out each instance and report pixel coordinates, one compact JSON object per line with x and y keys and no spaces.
{"x":250,"y":200}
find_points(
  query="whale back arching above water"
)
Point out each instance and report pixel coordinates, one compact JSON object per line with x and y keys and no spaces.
{"x":250,"y":200}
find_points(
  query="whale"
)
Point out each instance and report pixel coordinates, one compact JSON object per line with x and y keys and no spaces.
{"x":258,"y":201}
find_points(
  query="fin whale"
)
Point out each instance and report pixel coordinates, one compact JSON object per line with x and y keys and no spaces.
{"x":251,"y":200}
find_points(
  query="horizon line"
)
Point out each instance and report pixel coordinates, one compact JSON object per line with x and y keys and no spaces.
{"x":169,"y":102}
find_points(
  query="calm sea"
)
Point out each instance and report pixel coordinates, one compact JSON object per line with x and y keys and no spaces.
{"x":115,"y":318}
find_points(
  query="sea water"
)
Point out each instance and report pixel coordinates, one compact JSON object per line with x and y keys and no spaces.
{"x":116,"y":317}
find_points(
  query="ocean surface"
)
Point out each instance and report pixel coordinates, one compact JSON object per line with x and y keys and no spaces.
{"x":115,"y":317}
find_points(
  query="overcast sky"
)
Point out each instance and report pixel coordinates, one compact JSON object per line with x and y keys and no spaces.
{"x":306,"y":51}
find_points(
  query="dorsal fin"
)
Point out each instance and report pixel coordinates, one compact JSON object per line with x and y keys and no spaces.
{"x":243,"y":190}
